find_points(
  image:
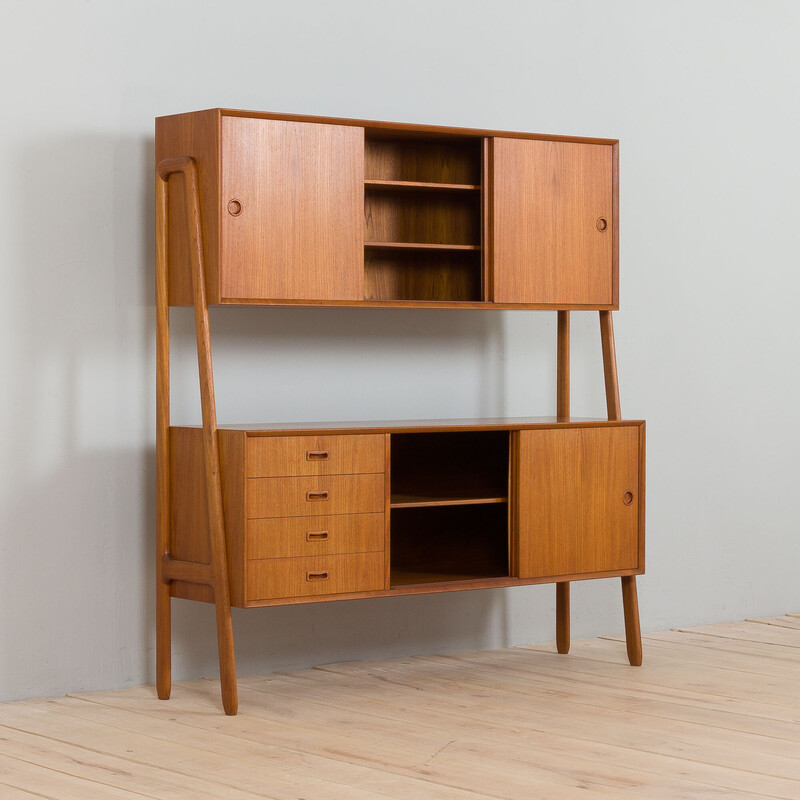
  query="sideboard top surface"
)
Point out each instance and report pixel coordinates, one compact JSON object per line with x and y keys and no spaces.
{"x":421,"y":425}
{"x":404,"y":127}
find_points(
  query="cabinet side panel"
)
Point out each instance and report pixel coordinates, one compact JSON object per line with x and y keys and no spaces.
{"x":298,"y":231}
{"x":194,"y":135}
{"x":572,"y":506}
{"x":231,"y":452}
{"x":548,"y":200}
{"x":189,"y":532}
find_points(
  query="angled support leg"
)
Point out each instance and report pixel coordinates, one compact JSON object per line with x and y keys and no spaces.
{"x":630,"y":600}
{"x":562,"y":411}
{"x":219,"y":565}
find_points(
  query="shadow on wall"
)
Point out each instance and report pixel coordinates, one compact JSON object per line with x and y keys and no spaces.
{"x":79,"y":542}
{"x":77,"y":553}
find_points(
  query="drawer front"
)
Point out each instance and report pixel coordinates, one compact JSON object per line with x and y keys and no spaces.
{"x":314,"y":496}
{"x":291,"y":537}
{"x":277,"y":456}
{"x":273,"y":578}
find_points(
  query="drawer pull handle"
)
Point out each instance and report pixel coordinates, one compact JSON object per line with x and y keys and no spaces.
{"x":312,"y":496}
{"x":316,"y":455}
{"x":317,"y":576}
{"x":316,"y":536}
{"x":627,"y":498}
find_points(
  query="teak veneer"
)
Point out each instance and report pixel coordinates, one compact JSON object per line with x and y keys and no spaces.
{"x":272,"y":209}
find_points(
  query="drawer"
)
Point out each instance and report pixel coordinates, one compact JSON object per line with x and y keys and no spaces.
{"x":314,"y":496}
{"x":272,"y":578}
{"x":277,"y":456}
{"x":314,"y":536}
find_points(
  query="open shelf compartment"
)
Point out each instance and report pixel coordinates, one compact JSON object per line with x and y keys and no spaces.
{"x":422,"y":218}
{"x":449,"y":507}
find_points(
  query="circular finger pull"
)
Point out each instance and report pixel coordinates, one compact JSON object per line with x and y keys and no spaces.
{"x":234,"y":208}
{"x":602,"y":223}
{"x":627,"y":498}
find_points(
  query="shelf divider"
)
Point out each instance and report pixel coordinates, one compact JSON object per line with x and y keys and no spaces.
{"x":421,"y":246}
{"x":421,"y":186}
{"x":423,"y":501}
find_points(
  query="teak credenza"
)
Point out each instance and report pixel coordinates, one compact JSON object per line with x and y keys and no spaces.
{"x":273,"y":209}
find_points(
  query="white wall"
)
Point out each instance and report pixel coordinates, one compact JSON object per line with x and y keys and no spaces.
{"x":703,"y":96}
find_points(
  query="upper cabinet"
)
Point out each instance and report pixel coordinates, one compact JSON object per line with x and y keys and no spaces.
{"x":553,"y":222}
{"x":282,"y":206}
{"x":318,"y":211}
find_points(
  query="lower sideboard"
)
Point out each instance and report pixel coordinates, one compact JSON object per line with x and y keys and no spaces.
{"x":316,"y":513}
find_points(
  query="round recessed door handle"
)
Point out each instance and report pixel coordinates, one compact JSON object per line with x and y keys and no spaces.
{"x":602,"y":224}
{"x":627,"y":498}
{"x":235,"y":207}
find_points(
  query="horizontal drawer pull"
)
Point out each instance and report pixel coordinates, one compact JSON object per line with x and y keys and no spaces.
{"x":317,"y":576}
{"x":317,"y":455}
{"x":316,"y":536}
{"x":317,"y":495}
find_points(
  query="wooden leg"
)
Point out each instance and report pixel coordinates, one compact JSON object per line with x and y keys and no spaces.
{"x":163,"y":641}
{"x":610,"y":365}
{"x":562,"y":366}
{"x":562,"y":617}
{"x":633,"y":636}
{"x":227,"y":661}
{"x":163,"y":595}
{"x":630,"y":601}
{"x":217,"y":575}
{"x":219,"y":558}
{"x":563,"y":412}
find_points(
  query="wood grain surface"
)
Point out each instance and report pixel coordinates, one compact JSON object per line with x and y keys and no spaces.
{"x":314,"y":495}
{"x":572,"y":514}
{"x":546,"y":202}
{"x":313,"y":455}
{"x":292,"y":537}
{"x":314,"y":575}
{"x":300,"y":233}
{"x":711,"y":714}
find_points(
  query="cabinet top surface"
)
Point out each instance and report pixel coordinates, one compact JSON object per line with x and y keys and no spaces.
{"x":422,"y":425}
{"x":376,"y":126}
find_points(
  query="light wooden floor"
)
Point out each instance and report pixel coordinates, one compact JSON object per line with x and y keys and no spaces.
{"x":714,"y":712}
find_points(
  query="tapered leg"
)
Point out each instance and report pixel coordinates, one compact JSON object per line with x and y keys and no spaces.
{"x":630,"y":600}
{"x":562,"y":617}
{"x":219,"y":579}
{"x":630,"y":604}
{"x":227,"y":661}
{"x":163,"y":641}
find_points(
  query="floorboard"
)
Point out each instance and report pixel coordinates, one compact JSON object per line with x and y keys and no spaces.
{"x":713,"y":712}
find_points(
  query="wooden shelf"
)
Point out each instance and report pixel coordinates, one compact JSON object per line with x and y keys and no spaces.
{"x":421,"y":186}
{"x":420,"y":246}
{"x":429,"y":501}
{"x":404,"y":578}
